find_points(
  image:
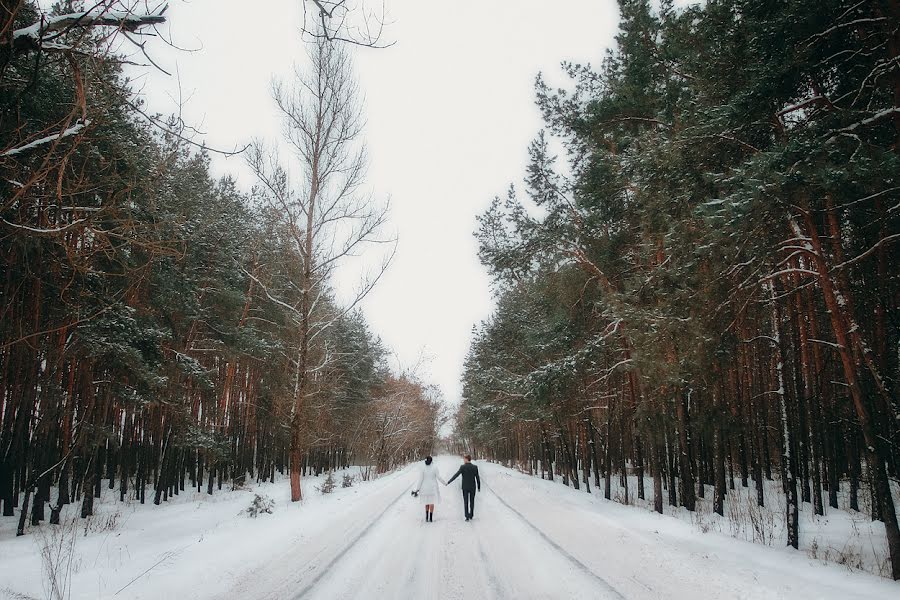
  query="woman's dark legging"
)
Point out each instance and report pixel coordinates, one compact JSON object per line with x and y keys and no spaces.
{"x":469,"y":503}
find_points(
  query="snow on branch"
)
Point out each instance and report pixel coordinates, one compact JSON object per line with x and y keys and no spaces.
{"x":788,"y":271}
{"x":854,"y":23}
{"x":42,"y":231}
{"x":40,"y":34}
{"x":881,"y":242}
{"x":888,"y":112}
{"x":610,"y":371}
{"x":768,"y":338}
{"x":825,"y":342}
{"x":802,"y":104}
{"x":74,"y":129}
{"x":866,"y":198}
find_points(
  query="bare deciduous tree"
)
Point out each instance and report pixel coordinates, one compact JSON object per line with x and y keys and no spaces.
{"x":403,"y":422}
{"x":351,"y":21}
{"x":327,"y":214}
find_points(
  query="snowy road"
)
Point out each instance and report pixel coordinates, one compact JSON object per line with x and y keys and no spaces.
{"x":497,"y":555}
{"x":535,"y":539}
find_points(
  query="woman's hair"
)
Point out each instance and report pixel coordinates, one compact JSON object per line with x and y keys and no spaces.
{"x":427,"y":460}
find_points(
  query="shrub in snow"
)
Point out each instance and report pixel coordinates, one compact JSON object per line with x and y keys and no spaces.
{"x":57,"y":548}
{"x":850,"y":555}
{"x":328,"y":485}
{"x":101,"y":523}
{"x":750,"y":521}
{"x":348,"y":480}
{"x":261,"y":504}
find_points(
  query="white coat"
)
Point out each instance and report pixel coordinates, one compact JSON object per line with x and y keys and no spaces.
{"x":429,"y":491}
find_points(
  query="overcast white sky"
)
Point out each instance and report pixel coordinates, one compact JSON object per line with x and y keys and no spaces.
{"x":450,"y":111}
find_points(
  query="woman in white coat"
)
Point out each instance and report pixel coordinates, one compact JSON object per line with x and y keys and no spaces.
{"x":427,"y":488}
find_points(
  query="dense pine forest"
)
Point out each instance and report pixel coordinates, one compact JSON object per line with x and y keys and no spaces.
{"x":698,"y":282}
{"x":697,"y":303}
{"x":160,"y":328}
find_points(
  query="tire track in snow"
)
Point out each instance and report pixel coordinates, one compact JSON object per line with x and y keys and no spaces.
{"x":498,"y":590}
{"x":327,"y":568}
{"x":413,"y":571}
{"x":580,"y":565}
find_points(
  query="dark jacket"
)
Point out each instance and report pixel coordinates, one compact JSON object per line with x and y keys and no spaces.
{"x":470,"y":477}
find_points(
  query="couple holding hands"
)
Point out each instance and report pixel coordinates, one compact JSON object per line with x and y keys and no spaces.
{"x":428,"y":491}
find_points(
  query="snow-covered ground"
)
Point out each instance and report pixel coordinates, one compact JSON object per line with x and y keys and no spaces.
{"x":841,"y":535}
{"x":530,"y":539}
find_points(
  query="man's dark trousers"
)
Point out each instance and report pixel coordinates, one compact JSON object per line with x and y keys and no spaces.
{"x":469,"y":503}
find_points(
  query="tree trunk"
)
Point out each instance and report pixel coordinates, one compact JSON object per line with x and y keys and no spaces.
{"x":87,"y":485}
{"x":593,"y":444}
{"x":658,"y":462}
{"x":792,"y":522}
{"x":719,"y":472}
{"x":688,"y":499}
{"x":873,"y":454}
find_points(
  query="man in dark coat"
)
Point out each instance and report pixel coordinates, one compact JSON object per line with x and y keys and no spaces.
{"x":470,"y":477}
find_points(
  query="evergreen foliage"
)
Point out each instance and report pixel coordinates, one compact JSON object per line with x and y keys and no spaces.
{"x":135,"y":346}
{"x":707,"y":284}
